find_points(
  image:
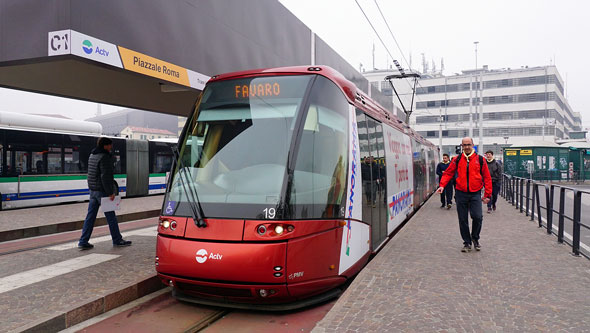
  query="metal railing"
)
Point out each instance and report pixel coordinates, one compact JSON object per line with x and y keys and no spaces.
{"x":554,"y":176}
{"x":525,"y":195}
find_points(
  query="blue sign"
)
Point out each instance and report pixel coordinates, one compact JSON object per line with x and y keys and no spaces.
{"x":170,"y":205}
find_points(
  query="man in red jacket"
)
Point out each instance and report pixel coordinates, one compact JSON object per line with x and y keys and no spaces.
{"x":472,"y":176}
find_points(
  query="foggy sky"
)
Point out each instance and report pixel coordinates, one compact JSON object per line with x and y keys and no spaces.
{"x":511,"y":34}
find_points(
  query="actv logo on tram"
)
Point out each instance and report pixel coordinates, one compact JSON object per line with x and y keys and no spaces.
{"x":202,"y":256}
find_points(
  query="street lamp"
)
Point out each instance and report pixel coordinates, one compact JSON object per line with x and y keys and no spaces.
{"x":480,"y":101}
{"x":476,"y":54}
{"x":506,"y":140}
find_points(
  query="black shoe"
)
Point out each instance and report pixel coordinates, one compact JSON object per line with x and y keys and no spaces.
{"x":449,"y":206}
{"x":122,"y":243}
{"x":442,"y":206}
{"x":476,"y":245}
{"x":86,"y":246}
{"x":466,"y":248}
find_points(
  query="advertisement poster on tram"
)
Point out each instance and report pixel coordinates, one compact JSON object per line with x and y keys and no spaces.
{"x":355,"y":236}
{"x":400,"y":180}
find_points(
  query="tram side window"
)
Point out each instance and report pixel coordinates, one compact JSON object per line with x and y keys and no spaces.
{"x":1,"y":159}
{"x":319,"y":181}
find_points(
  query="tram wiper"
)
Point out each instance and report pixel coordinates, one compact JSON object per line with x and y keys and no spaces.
{"x":193,"y":200}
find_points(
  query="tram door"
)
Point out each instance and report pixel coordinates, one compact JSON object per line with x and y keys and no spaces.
{"x":372,"y":172}
{"x":378,"y":211}
{"x":137,"y":168}
{"x":365,"y":152}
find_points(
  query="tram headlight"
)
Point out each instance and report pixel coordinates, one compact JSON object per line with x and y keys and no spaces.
{"x":261,"y":229}
{"x":263,"y":292}
{"x":173,"y":225}
{"x":279,"y":229}
{"x":165,"y":224}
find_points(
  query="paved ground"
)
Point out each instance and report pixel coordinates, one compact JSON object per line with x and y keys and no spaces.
{"x":54,"y":287}
{"x":522,"y":280}
{"x":31,"y":222}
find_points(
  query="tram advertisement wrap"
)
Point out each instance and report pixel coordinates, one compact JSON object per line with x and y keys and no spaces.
{"x":400,"y":182}
{"x":356,"y":234}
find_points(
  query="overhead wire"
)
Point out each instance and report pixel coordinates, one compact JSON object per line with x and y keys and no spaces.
{"x":394,"y":39}
{"x":389,"y":53}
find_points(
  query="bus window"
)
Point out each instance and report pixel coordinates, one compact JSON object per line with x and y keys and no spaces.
{"x":21,"y":159}
{"x":54,"y":160}
{"x":1,"y":159}
{"x":72,"y":160}
{"x":37,"y":162}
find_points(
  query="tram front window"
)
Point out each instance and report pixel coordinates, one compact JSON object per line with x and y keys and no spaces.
{"x":236,"y":146}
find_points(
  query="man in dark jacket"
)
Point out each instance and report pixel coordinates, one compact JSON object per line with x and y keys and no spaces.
{"x":446,"y":198}
{"x":495,"y":169}
{"x":472,"y":176}
{"x":101,"y":182}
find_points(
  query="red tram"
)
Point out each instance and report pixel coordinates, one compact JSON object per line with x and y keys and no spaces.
{"x":286,"y":181}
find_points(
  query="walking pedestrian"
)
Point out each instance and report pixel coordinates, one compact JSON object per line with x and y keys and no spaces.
{"x":472,"y":176}
{"x":101,"y":183}
{"x":495,"y":169}
{"x":446,"y":198}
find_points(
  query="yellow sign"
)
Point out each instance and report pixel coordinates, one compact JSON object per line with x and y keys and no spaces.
{"x":144,"y":64}
{"x":526,"y":152}
{"x":511,"y":153}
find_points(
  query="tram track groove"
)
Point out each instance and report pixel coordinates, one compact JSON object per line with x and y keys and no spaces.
{"x":207,"y":321}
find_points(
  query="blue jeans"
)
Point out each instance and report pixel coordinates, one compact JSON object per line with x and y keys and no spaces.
{"x":469,"y":203}
{"x":93,"y":205}
{"x":495,"y":191}
{"x":446,"y":198}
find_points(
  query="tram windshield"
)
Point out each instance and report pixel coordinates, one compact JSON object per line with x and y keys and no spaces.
{"x":235,"y":152}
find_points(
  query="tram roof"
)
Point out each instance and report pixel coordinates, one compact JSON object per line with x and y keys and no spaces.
{"x":354,"y":95}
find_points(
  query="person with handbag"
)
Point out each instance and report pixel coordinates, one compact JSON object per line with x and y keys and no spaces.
{"x":101,"y":182}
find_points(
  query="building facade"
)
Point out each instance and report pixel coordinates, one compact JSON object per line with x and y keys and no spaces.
{"x":141,"y":133}
{"x":517,"y":105}
{"x":113,"y":123}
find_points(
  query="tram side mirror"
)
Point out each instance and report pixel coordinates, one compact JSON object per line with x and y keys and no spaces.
{"x":457,"y":150}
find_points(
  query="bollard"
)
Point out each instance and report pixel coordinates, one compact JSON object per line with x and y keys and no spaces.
{"x":521,"y":193}
{"x":533,"y":202}
{"x":549,"y":208}
{"x":576,"y":227}
{"x":528,"y":196}
{"x":561,"y":211}
{"x":512,"y":182}
{"x":539,"y":207}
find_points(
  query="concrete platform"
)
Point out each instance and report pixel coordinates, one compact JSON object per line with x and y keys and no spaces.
{"x":521,"y":281}
{"x":32,"y":222}
{"x":56,"y":286}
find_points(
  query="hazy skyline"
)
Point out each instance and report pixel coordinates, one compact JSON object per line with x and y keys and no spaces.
{"x":511,"y":34}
